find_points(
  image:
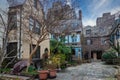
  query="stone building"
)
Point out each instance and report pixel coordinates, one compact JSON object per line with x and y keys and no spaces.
{"x":97,"y":38}
{"x":70,"y":27}
{"x":24,"y":19}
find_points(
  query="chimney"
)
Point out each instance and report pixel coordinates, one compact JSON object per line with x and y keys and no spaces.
{"x":80,"y":15}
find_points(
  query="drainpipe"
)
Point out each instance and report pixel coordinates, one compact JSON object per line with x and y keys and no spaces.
{"x":19,"y":44}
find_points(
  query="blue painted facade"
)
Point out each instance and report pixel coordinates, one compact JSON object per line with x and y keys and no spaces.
{"x":70,"y":40}
{"x":74,"y":39}
{"x":78,"y":52}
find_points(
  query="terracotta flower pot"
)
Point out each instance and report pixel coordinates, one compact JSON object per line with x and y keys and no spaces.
{"x":52,"y":74}
{"x":43,"y":74}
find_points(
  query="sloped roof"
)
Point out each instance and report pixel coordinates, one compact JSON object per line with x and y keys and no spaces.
{"x":13,"y":3}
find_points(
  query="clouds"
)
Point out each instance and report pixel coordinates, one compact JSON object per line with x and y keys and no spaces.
{"x":90,"y":22}
{"x":68,"y":2}
{"x":98,"y":5}
{"x":95,"y":8}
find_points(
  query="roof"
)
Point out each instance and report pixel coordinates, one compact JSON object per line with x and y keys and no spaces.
{"x":13,"y":3}
{"x":68,"y":26}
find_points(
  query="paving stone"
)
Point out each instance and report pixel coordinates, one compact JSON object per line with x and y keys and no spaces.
{"x":89,"y":71}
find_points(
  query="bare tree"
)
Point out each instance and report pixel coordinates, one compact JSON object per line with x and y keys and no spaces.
{"x":4,"y":32}
{"x":114,"y":43}
{"x":53,"y":23}
{"x":47,"y":26}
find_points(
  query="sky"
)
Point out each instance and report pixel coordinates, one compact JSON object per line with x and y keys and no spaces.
{"x":3,"y":4}
{"x":91,"y":9}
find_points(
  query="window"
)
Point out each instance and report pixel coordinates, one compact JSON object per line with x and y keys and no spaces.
{"x":66,"y":39}
{"x":12,"y":20}
{"x":78,"y":37}
{"x":117,"y":34}
{"x":112,"y":38}
{"x":101,"y":30}
{"x":12,"y":49}
{"x":35,"y":3}
{"x":31,"y":23}
{"x":74,"y":38}
{"x":88,"y":31}
{"x":89,"y":42}
{"x":103,"y":41}
{"x":37,"y":54}
{"x":74,"y":25}
{"x":52,"y":36}
{"x":37,"y":27}
{"x":34,"y":26}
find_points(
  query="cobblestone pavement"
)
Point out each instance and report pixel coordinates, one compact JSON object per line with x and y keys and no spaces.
{"x":88,"y":71}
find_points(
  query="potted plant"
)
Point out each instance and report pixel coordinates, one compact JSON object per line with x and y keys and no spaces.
{"x":51,"y":69}
{"x":43,"y":74}
{"x":55,"y":62}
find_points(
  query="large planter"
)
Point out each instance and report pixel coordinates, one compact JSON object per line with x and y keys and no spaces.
{"x":52,"y":74}
{"x":43,"y":74}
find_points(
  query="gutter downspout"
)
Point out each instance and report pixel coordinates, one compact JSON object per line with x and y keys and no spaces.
{"x":19,"y":44}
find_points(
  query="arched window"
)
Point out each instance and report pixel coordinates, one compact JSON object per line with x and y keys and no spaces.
{"x":46,"y":50}
{"x":45,"y":55}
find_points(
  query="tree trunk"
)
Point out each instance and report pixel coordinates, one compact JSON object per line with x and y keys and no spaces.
{"x":31,"y":55}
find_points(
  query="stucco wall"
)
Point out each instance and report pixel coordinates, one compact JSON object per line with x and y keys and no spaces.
{"x":25,"y":13}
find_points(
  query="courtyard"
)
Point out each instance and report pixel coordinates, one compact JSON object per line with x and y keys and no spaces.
{"x":63,"y":37}
{"x":89,"y":71}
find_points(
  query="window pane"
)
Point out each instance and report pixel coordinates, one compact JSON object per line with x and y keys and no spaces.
{"x":88,"y":31}
{"x":35,"y":3}
{"x":37,"y":54}
{"x":37,"y":27}
{"x":12,"y":21}
{"x":31,"y":24}
{"x":103,"y":41}
{"x":89,"y":42}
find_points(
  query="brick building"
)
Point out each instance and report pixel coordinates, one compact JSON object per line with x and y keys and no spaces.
{"x":97,"y":39}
